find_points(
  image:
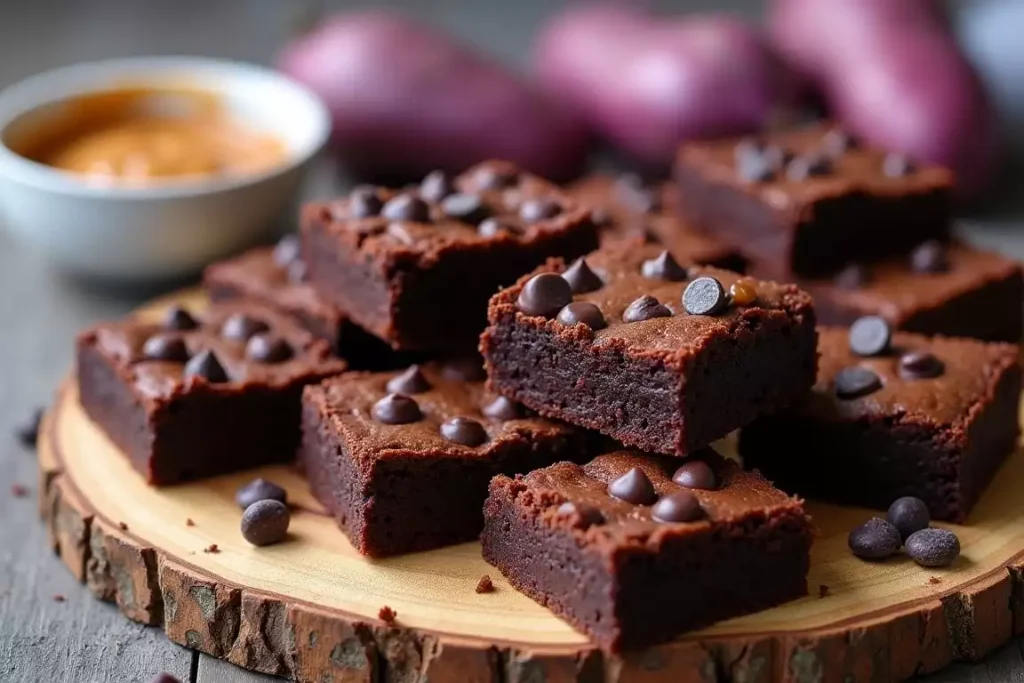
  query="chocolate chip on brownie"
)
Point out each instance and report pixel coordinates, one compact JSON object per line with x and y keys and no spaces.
{"x":855,"y":382}
{"x":837,"y":141}
{"x":544,"y":295}
{"x":870,"y":336}
{"x":436,"y":186}
{"x":165,"y":347}
{"x":411,"y":381}
{"x":502,"y":408}
{"x":406,"y":207}
{"x":920,"y":365}
{"x":492,"y":177}
{"x":581,"y":278}
{"x":696,"y":474}
{"x":539,"y":209}
{"x":581,"y":515}
{"x":205,"y":364}
{"x":268,"y":348}
{"x":704,"y":296}
{"x":875,"y":539}
{"x":265,"y":522}
{"x":396,"y":409}
{"x":464,"y":430}
{"x":364,"y":203}
{"x":897,"y":165}
{"x":645,"y":308}
{"x":583,"y":312}
{"x":259,"y":489}
{"x":178,"y":318}
{"x":633,"y":487}
{"x":853,"y":276}
{"x":663,"y":267}
{"x":681,"y":506}
{"x":492,"y":227}
{"x":808,"y":166}
{"x":287,"y":250}
{"x":929,"y":257}
{"x":468,"y":208}
{"x":241,"y":326}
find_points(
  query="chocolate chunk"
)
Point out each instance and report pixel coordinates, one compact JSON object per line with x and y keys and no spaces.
{"x":645,"y":308}
{"x":696,"y":475}
{"x":837,"y":142}
{"x":297,"y":272}
{"x":485,"y":585}
{"x":539,"y":209}
{"x":287,"y":250}
{"x":870,"y":335}
{"x":908,"y":514}
{"x":875,"y":539}
{"x":581,"y":278}
{"x":663,"y":267}
{"x":463,"y":430}
{"x":406,"y":207}
{"x":633,"y":487}
{"x":681,"y":506}
{"x":436,"y":186}
{"x":580,"y":515}
{"x":206,"y":365}
{"x":492,"y":227}
{"x":808,"y":166}
{"x":897,"y":166}
{"x":468,"y":208}
{"x":855,"y":381}
{"x":396,"y":409}
{"x":853,"y":276}
{"x":165,"y":347}
{"x":27,"y":433}
{"x":268,"y":348}
{"x":464,"y":369}
{"x":582,"y":312}
{"x":240,"y":327}
{"x":704,"y":296}
{"x":933,"y":547}
{"x":502,"y":408}
{"x":545,"y":295}
{"x":259,"y":489}
{"x":364,"y":203}
{"x":920,"y":365}
{"x":411,"y":381}
{"x":742,"y":293}
{"x":265,"y":522}
{"x":179,"y":319}
{"x":492,"y":178}
{"x":929,"y":257}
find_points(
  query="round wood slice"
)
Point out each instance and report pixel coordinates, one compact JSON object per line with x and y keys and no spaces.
{"x":311,"y":608}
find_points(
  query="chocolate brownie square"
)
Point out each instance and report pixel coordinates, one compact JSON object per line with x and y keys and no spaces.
{"x":633,"y":549}
{"x":416,"y":266}
{"x":926,"y":417}
{"x":806,"y":202}
{"x":661,"y":357}
{"x":275,"y":277}
{"x":193,"y":396}
{"x":627,"y":208}
{"x":956,"y":291}
{"x":402,"y":460}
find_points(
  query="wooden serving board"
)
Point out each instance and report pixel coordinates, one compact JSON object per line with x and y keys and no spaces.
{"x":308,"y":608}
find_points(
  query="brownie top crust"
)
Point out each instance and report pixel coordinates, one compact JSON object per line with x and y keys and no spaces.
{"x":790,"y":169}
{"x":275,"y":273}
{"x":937,"y":380}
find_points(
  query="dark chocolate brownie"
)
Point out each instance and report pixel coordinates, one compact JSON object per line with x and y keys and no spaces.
{"x":625,"y":357}
{"x":955,"y":291}
{"x":194,"y":396}
{"x":403,"y":459}
{"x":626,"y":208}
{"x":416,"y":266}
{"x":806,"y":202}
{"x":632,"y":558}
{"x":927,"y":417}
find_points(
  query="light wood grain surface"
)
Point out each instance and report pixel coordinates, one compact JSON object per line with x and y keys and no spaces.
{"x":80,"y":639}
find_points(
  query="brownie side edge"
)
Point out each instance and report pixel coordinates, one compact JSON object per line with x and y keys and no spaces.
{"x":992,"y":312}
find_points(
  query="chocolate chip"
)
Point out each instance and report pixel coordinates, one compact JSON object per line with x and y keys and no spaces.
{"x":582,"y":312}
{"x":853,"y":276}
{"x":268,"y":348}
{"x":545,"y":295}
{"x":633,"y":487}
{"x":663,"y":267}
{"x":855,"y":381}
{"x":808,"y":166}
{"x":364,"y":203}
{"x":165,"y":347}
{"x":580,"y":515}
{"x":837,"y":142}
{"x":287,"y":250}
{"x":742,"y":293}
{"x":297,"y":271}
{"x":27,"y":433}
{"x":870,"y":335}
{"x":897,"y":166}
{"x":920,"y":365}
{"x":464,"y":431}
{"x":406,"y":207}
{"x":681,"y":506}
{"x":645,"y":308}
{"x":581,"y":278}
{"x":468,"y":208}
{"x":436,"y":186}
{"x":241,"y":326}
{"x":494,"y":178}
{"x":539,"y":209}
{"x":206,"y":365}
{"x":259,"y":489}
{"x":704,"y":296}
{"x":396,"y":409}
{"x":929,"y":257}
{"x":179,"y":319}
{"x":464,"y":369}
{"x":696,"y":475}
{"x":933,"y":547}
{"x":502,"y":408}
{"x":410,"y":381}
{"x":908,"y":514}
{"x":875,"y":539}
{"x":492,"y":227}
{"x":265,"y":522}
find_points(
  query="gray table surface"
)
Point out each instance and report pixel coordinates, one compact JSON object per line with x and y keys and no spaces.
{"x":78,"y":639}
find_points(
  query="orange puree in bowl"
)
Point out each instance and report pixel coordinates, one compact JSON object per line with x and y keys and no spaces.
{"x":142,"y":137}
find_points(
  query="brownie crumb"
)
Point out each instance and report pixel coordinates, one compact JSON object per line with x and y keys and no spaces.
{"x":189,"y":522}
{"x":387,"y":615}
{"x":485,"y":585}
{"x":212,"y":548}
{"x":822,"y":590}
{"x":122,"y":526}
{"x":57,"y":597}
{"x":934,"y":580}
{"x":19,"y":490}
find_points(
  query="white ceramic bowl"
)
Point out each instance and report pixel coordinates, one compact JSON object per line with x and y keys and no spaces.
{"x":159,"y":231}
